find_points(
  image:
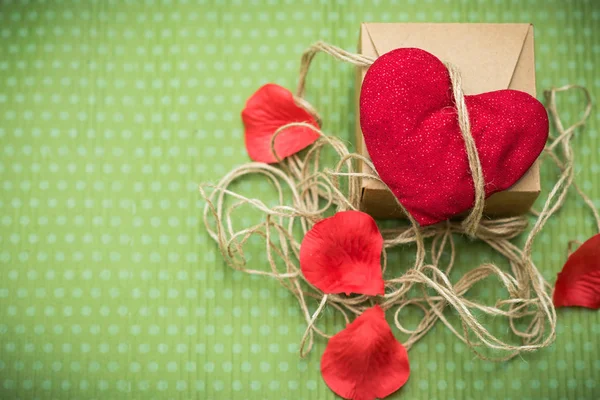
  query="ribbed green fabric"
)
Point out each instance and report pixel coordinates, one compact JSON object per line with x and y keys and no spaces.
{"x":112,"y":112}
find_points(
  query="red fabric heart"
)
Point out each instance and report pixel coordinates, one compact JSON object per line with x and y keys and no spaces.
{"x":267,"y":110}
{"x":578,"y":284}
{"x":342,"y":254}
{"x":365,"y":361}
{"x":410,"y":126}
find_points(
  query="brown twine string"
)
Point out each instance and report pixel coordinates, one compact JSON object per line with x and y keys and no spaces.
{"x":464,"y":124}
{"x":316,"y":190}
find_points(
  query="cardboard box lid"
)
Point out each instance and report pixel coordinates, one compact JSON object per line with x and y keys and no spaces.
{"x":489,"y":56}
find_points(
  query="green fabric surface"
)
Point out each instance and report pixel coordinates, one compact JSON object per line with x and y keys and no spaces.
{"x":112,"y":113}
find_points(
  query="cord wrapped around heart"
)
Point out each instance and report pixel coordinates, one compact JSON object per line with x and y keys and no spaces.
{"x":424,"y":135}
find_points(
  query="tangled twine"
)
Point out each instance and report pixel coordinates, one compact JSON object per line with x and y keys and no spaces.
{"x":316,"y":190}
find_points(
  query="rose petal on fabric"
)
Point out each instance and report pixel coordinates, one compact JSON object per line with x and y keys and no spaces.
{"x":342,"y":254}
{"x":365,"y":361}
{"x":267,"y":110}
{"x":578,"y":284}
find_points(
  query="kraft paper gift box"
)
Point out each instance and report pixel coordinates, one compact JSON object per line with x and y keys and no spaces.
{"x":490,"y":57}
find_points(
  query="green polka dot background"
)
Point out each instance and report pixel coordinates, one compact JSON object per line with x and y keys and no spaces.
{"x":112,"y":113}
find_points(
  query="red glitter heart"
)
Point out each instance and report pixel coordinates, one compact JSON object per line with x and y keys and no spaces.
{"x":409,"y":122}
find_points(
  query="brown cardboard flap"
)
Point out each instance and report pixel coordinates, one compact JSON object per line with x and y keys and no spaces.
{"x":486,"y":54}
{"x":490,"y":57}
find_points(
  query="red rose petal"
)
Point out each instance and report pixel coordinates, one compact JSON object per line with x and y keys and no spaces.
{"x":578,"y":284}
{"x":342,"y":254}
{"x":365,"y":361}
{"x":267,"y":110}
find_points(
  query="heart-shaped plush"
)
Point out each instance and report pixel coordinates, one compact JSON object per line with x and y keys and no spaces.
{"x":409,"y":121}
